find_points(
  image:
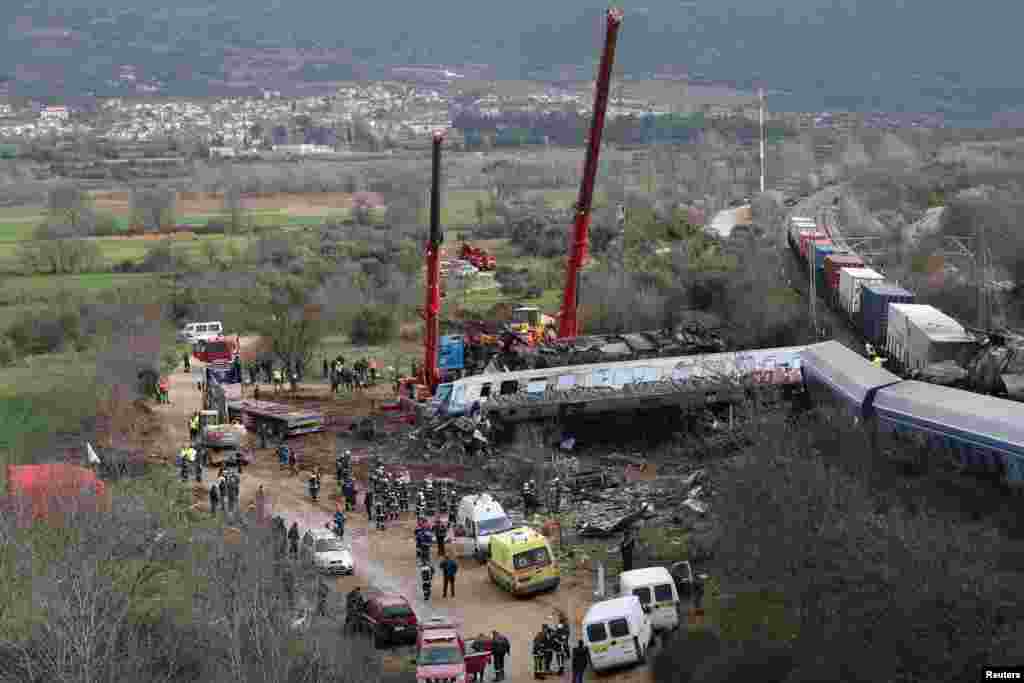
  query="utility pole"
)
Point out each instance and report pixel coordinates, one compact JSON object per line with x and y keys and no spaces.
{"x":761,"y":93}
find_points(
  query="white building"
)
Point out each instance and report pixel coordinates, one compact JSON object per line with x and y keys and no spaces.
{"x":55,"y":114}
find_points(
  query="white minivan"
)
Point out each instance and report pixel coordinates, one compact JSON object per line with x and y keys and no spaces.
{"x":657,"y":591}
{"x":617,"y":632}
{"x":480,"y":516}
{"x":194,"y":332}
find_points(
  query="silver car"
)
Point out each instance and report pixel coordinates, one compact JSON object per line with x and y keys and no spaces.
{"x":328,"y":553}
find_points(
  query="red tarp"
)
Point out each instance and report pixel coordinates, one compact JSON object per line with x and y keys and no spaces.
{"x":51,"y":487}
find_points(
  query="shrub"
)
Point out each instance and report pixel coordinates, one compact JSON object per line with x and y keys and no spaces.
{"x":8,"y":354}
{"x":373,"y":326}
{"x":45,"y":332}
{"x":107,"y":226}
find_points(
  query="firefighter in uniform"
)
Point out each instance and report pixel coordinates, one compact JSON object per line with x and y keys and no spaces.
{"x":378,"y":510}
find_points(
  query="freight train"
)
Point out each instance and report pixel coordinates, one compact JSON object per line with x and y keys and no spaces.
{"x":919,"y":341}
{"x":985,"y":433}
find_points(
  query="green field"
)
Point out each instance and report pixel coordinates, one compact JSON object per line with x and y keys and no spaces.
{"x":46,"y":287}
{"x":18,"y":231}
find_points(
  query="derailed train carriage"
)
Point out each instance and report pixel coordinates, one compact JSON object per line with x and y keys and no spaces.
{"x":682,"y":382}
{"x":985,"y":433}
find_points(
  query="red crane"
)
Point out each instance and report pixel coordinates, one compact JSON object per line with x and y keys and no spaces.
{"x":569,"y":321}
{"x":429,"y":375}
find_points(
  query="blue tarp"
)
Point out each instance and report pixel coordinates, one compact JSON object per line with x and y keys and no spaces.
{"x":451,"y":354}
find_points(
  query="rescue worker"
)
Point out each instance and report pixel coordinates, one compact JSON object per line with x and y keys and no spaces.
{"x":233,"y":490}
{"x":348,"y":490}
{"x":580,"y":659}
{"x":261,"y":505}
{"x":422,"y":536}
{"x":428,"y":495}
{"x":449,"y":568}
{"x":278,"y":379}
{"x":183,"y":461}
{"x":293,"y":540}
{"x":561,"y":635}
{"x":322,"y":592}
{"x":199,"y":470}
{"x":378,"y":512}
{"x":368,"y":501}
{"x":353,"y":607}
{"x":421,"y":506}
{"x":452,"y":505}
{"x":214,"y":498}
{"x":222,"y":486}
{"x":628,"y":543}
{"x":439,"y":533}
{"x":550,"y":645}
{"x":500,"y":649}
{"x":193,"y":426}
{"x":555,"y":495}
{"x":314,"y":486}
{"x":339,"y":523}
{"x":426,"y":579}
{"x":540,"y":646}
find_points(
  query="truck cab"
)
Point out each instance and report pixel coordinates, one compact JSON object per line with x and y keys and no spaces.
{"x":440,"y":652}
{"x":214,"y":434}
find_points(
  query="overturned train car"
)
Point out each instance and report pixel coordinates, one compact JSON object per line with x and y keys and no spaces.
{"x":984,"y":433}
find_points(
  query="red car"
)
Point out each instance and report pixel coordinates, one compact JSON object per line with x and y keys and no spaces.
{"x":389,"y":618}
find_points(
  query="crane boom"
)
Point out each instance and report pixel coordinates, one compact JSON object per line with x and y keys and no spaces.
{"x":569,"y":322}
{"x":430,"y":376}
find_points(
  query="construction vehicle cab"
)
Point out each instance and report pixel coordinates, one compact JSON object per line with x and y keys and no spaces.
{"x":214,"y":433}
{"x":521,"y":561}
{"x":529,"y":321}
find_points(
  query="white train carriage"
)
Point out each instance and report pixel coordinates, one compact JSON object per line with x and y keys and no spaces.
{"x":681,"y":381}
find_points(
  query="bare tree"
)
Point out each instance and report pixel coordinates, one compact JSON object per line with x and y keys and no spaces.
{"x":69,"y":213}
{"x":152,"y":208}
{"x":284,"y":309}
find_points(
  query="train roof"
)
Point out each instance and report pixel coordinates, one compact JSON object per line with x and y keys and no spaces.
{"x":973,"y":415}
{"x":844,"y":370}
{"x":730,"y":358}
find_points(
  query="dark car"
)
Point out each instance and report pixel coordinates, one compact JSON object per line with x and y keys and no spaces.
{"x":389,"y":618}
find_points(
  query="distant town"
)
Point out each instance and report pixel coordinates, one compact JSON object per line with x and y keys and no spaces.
{"x":389,"y":113}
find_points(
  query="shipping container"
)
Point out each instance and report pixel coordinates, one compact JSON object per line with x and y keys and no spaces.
{"x":918,"y":335}
{"x":822,"y":248}
{"x":875,"y":298}
{"x":836,"y":262}
{"x":850,"y":282}
{"x":806,"y":237}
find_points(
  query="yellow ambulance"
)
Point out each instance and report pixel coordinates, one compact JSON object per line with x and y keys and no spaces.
{"x":522,"y":562}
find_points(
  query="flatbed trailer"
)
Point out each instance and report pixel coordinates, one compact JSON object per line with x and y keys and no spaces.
{"x":281,"y":420}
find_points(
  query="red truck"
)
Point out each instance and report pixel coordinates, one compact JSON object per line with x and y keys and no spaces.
{"x":481,"y":259}
{"x":216,"y":350}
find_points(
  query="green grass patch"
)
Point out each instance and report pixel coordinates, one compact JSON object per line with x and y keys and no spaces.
{"x":743,"y":614}
{"x":18,"y":231}
{"x":47,"y":287}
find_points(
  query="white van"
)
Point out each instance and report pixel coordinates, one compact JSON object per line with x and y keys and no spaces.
{"x":617,"y":632}
{"x":194,"y":332}
{"x":656,"y":590}
{"x":480,"y":517}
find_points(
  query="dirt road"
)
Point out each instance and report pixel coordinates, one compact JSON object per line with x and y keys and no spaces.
{"x":386,"y":559}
